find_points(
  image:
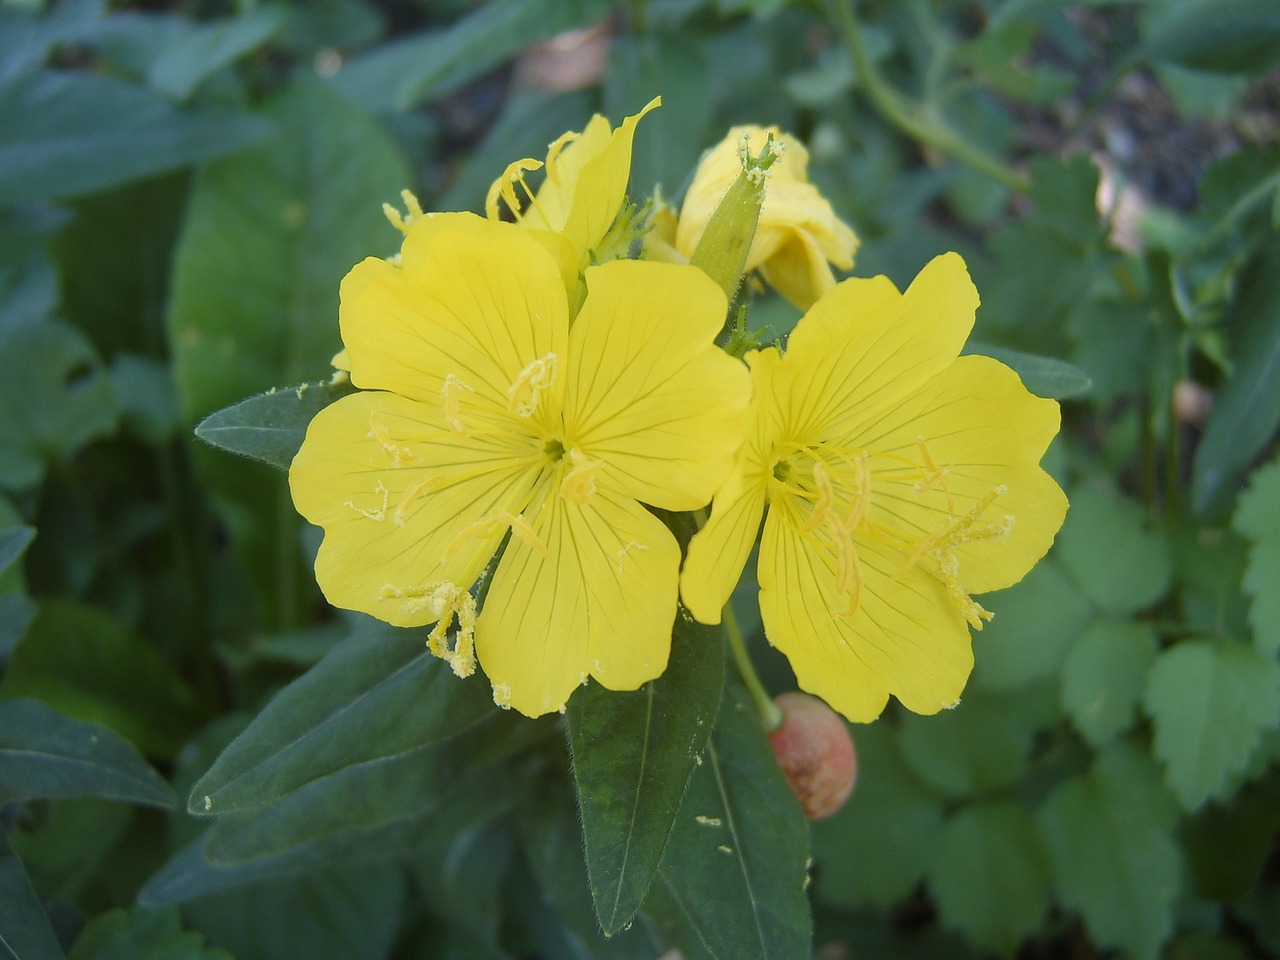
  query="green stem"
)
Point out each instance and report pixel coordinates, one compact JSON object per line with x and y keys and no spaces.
{"x":909,"y":117}
{"x":770,"y":715}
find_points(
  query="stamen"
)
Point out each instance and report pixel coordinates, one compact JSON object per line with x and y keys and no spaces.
{"x":538,"y":376}
{"x":399,"y":455}
{"x":377,"y":513}
{"x":934,"y":475}
{"x":826,"y":498}
{"x":553,"y":153}
{"x":443,"y":601}
{"x":579,"y":484}
{"x":504,"y":187}
{"x":411,"y":205}
{"x":413,"y":494}
{"x":484,"y":526}
{"x":450,"y":397}
{"x":626,"y":552}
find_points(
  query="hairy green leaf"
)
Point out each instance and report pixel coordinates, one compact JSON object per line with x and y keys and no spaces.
{"x":736,"y":862}
{"x":271,"y":426}
{"x":632,"y":757}
{"x":44,"y":754}
{"x":1043,"y":376}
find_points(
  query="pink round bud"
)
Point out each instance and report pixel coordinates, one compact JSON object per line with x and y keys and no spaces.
{"x":815,"y":752}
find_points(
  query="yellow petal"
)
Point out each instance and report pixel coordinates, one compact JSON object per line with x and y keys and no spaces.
{"x":906,"y":638}
{"x":863,"y":346}
{"x":719,"y":551}
{"x":360,"y":475}
{"x":600,"y":602}
{"x":473,"y":299}
{"x":653,"y":396}
{"x":985,"y":431}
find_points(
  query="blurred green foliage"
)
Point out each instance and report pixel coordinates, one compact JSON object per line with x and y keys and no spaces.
{"x":183,"y":185}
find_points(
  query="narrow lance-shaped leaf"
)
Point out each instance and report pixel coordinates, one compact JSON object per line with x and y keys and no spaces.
{"x":632,"y":756}
{"x":271,"y":426}
{"x":1043,"y":376}
{"x":44,"y":754}
{"x":25,"y":931}
{"x":736,"y":862}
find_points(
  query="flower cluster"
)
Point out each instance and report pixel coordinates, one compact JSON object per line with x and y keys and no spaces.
{"x":527,"y":393}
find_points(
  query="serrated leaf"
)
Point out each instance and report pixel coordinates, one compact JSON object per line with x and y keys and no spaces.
{"x":377,"y":695}
{"x":268,"y":236}
{"x":25,"y":931}
{"x":632,"y":757}
{"x":1043,"y":376}
{"x":84,"y":663}
{"x":990,"y":875}
{"x":404,"y":73}
{"x":54,"y":398}
{"x":1109,"y":550}
{"x":202,"y":50}
{"x":13,"y":543}
{"x":70,"y":133}
{"x":141,"y":934}
{"x":44,"y":754}
{"x":1218,"y":36}
{"x":271,"y":426}
{"x":876,"y":850}
{"x":1258,"y":518}
{"x":1112,"y":854}
{"x":981,"y":745}
{"x":1036,"y":622}
{"x":1104,"y":676}
{"x":736,"y":861}
{"x":1210,"y":703}
{"x":1246,"y":409}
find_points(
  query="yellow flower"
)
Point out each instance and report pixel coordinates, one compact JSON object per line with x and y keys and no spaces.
{"x":483,"y":417}
{"x":798,"y":232}
{"x":585,"y":186}
{"x":899,"y":479}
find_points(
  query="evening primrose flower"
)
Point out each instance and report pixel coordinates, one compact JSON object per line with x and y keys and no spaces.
{"x":483,"y":417}
{"x":900,"y":479}
{"x":798,"y":235}
{"x":584,"y":190}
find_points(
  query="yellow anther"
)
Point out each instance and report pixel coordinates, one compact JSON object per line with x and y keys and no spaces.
{"x":521,"y":528}
{"x":505,"y":188}
{"x":934,"y":475}
{"x":412,"y":207}
{"x":442,"y":601}
{"x":398,"y":454}
{"x":579,"y":484}
{"x":497,"y":517}
{"x":826,"y":501}
{"x":848,"y":574}
{"x":538,"y":376}
{"x":412,"y":495}
{"x":857,"y":511}
{"x":450,"y":398}
{"x":394,"y":217}
{"x":378,"y":513}
{"x":920,"y":549}
{"x":553,"y":153}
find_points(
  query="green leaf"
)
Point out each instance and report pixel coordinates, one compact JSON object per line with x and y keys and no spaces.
{"x":268,"y":236}
{"x":67,"y":134}
{"x":981,"y":745}
{"x":467,"y":773}
{"x":13,"y":544}
{"x":876,"y":850}
{"x":1112,"y":853}
{"x":1043,"y":376}
{"x":202,"y":50}
{"x":336,"y":914}
{"x":271,"y":426}
{"x":1258,"y":518}
{"x":377,"y":695}
{"x":54,"y":398}
{"x":401,"y":74}
{"x":44,"y":754}
{"x":736,"y":861}
{"x":1217,"y":36}
{"x":1227,"y":846}
{"x":1210,"y":703}
{"x":25,"y":931}
{"x":28,"y":35}
{"x":1246,"y":409}
{"x":1104,"y":675}
{"x":1108,"y":549}
{"x":990,"y":875}
{"x":84,"y":663}
{"x":1036,"y":622}
{"x":633,"y":754}
{"x":140,"y":934}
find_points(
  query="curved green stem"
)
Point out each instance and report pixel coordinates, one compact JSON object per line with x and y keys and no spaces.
{"x":909,"y":117}
{"x":770,"y":715}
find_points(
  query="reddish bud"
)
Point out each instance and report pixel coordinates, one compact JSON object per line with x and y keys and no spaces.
{"x":815,"y":752}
